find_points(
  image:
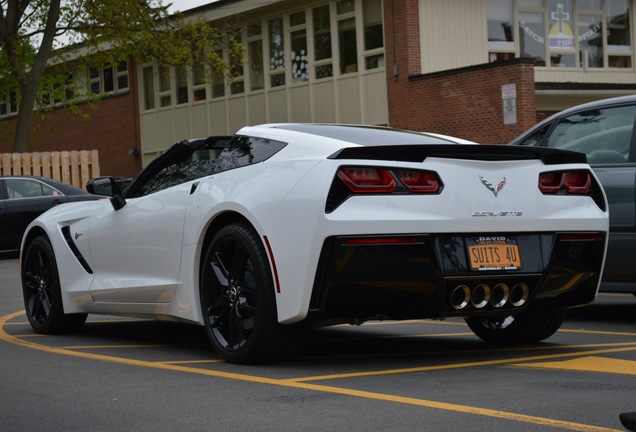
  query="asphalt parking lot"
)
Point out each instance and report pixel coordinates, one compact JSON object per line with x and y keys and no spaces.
{"x":126,"y":374}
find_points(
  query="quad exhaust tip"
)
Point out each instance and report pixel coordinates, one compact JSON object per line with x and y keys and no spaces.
{"x":483,"y":295}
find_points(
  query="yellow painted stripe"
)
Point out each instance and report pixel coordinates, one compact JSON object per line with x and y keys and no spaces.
{"x":632,"y":347}
{"x":599,"y":332}
{"x":321,"y":388}
{"x":91,"y":347}
{"x":558,"y":424}
{"x":588,"y":364}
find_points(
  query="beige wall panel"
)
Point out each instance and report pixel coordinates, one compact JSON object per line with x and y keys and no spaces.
{"x":323,"y":102}
{"x":148,"y":132}
{"x":615,"y":76}
{"x":256,"y":109}
{"x":300,"y":104}
{"x":375,"y":105}
{"x":453,"y":34}
{"x":348,"y":100}
{"x":554,"y":102}
{"x":277,"y":106}
{"x":182,"y":130}
{"x":218,"y":118}
{"x":199,"y":121}
{"x":236,"y":114}
{"x":165,"y":127}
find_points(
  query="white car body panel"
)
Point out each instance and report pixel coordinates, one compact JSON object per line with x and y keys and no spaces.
{"x":146,"y":257}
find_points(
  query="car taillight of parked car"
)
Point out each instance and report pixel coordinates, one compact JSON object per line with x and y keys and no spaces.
{"x":568,"y":182}
{"x":361,"y":179}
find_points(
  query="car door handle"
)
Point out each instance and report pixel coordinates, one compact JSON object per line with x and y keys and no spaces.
{"x":56,"y":201}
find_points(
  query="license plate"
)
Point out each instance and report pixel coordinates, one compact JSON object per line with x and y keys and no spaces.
{"x":499,"y":254}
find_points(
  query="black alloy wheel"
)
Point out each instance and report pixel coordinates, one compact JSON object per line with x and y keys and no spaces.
{"x":533,"y":324}
{"x":41,"y":291}
{"x":237,"y":299}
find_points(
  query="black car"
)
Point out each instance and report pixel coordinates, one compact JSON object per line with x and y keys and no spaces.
{"x":23,"y":198}
{"x":603,"y":130}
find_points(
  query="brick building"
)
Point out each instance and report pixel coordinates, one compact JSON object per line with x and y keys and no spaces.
{"x":483,"y":70}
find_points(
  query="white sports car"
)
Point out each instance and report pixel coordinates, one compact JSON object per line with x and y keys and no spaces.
{"x":280,"y":227}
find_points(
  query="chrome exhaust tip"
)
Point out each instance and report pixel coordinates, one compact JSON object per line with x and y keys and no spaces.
{"x":480,"y":296}
{"x":499,"y":295}
{"x":519,"y":294}
{"x":460,"y":297}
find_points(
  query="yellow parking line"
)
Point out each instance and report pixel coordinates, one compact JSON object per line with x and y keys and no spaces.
{"x":87,"y":347}
{"x":588,"y":364}
{"x":632,"y":347}
{"x":298,"y":384}
{"x":598,"y":332}
{"x":175,"y":362}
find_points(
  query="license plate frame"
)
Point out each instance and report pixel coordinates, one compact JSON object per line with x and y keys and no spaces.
{"x":488,"y":254}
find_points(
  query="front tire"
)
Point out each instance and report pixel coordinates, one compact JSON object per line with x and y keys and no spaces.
{"x":532,"y":325}
{"x":42,"y":293}
{"x":237,"y":300}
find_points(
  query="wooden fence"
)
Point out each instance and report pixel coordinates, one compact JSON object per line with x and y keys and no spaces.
{"x":72,"y":167}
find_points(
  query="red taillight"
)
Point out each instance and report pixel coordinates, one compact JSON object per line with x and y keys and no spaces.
{"x":418,"y":181}
{"x":361,"y":179}
{"x":367,"y":179}
{"x":380,"y":240}
{"x":573,"y":182}
{"x":550,"y":182}
{"x":581,"y":237}
{"x":578,"y":182}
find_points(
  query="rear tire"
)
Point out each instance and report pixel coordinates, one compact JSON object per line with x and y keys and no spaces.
{"x":534,"y":324}
{"x":238,"y":300}
{"x":42,"y":293}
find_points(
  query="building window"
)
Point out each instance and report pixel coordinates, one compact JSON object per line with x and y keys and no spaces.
{"x":618,"y":34}
{"x":501,"y":28}
{"x":149,"y":87}
{"x":532,"y":37}
{"x":62,"y":90}
{"x":8,"y":103}
{"x":237,"y":86}
{"x":122,"y":76}
{"x":590,"y":41}
{"x":322,"y":42}
{"x":218,"y":80}
{"x":4,"y":107}
{"x":108,"y":79}
{"x":255,"y":56}
{"x":290,"y":49}
{"x":199,"y":91}
{"x":165,"y":98}
{"x":276,"y":52}
{"x":299,"y":56}
{"x":94,"y":80}
{"x":573,"y":34}
{"x":181,"y":77}
{"x":373,"y":34}
{"x":347,"y":43}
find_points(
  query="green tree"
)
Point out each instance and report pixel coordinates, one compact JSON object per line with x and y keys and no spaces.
{"x":41,"y":39}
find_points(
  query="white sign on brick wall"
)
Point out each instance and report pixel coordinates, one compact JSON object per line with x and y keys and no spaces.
{"x":509,"y":102}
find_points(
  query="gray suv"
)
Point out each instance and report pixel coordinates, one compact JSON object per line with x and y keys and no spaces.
{"x":603,"y":130}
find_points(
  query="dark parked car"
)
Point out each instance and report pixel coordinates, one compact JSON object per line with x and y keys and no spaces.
{"x":603,"y":130}
{"x":23,"y":198}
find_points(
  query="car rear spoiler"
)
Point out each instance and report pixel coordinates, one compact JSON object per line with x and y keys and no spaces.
{"x":417,"y":153}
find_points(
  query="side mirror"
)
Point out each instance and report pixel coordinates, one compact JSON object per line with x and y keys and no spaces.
{"x":109,"y":187}
{"x":100,"y":186}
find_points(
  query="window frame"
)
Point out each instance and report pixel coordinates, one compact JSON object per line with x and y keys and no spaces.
{"x":578,"y":57}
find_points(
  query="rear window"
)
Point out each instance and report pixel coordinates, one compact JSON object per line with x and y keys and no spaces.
{"x":244,"y":150}
{"x":238,"y":152}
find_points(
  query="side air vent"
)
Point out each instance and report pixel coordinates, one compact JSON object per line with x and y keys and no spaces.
{"x":66,"y":232}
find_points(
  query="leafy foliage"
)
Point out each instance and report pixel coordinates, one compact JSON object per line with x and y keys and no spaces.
{"x":42,"y":40}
